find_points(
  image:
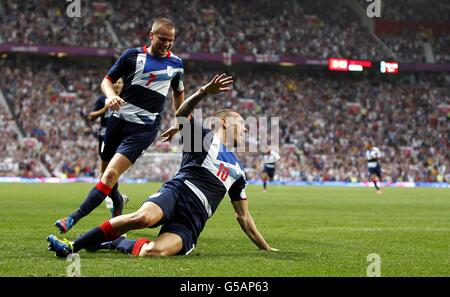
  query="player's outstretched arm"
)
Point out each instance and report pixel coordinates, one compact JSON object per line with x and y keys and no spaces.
{"x":220,"y":83}
{"x":248,"y":225}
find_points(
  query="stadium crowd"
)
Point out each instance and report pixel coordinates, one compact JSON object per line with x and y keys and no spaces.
{"x":441,"y":46}
{"x":308,"y":28}
{"x":330,"y":120}
{"x":17,"y":157}
{"x":407,"y":45}
{"x":415,"y":11}
{"x":324,"y":121}
{"x":39,"y":22}
{"x":50,"y":103}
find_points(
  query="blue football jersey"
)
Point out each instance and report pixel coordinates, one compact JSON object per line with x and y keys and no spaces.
{"x":210,"y":170}
{"x":147,"y":80}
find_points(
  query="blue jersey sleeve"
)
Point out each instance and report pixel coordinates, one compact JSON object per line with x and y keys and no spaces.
{"x":122,"y":65}
{"x":99,"y":103}
{"x":237,"y":190}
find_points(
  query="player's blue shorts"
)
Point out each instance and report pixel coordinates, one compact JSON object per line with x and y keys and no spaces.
{"x":270,"y":171}
{"x":183,"y":213}
{"x":375,"y":171}
{"x":128,"y":139}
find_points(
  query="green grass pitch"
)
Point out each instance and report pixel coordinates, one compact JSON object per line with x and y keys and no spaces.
{"x":319,"y":231}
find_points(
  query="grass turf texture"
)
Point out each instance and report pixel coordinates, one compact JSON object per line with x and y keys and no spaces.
{"x":320,"y":232}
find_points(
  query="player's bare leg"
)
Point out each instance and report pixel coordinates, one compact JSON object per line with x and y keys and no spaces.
{"x":110,"y":231}
{"x":102,"y":167}
{"x":375,"y":182}
{"x":115,"y":168}
{"x":148,"y":215}
{"x":166,"y":244}
{"x":117,"y":201}
{"x":264,"y":177}
{"x":110,"y":177}
{"x":107,"y":185}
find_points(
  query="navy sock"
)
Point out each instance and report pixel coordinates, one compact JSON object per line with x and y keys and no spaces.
{"x":93,"y":199}
{"x":95,"y":236}
{"x":116,"y":197}
{"x":91,"y":238}
{"x":123,"y":245}
{"x":376,"y":186}
{"x":264,"y":184}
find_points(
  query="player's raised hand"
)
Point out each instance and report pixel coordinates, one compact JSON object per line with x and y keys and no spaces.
{"x":114,"y":102}
{"x":220,"y":83}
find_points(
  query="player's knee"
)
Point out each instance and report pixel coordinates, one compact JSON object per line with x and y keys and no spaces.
{"x":143,"y":219}
{"x":110,"y":176}
{"x":152,"y":249}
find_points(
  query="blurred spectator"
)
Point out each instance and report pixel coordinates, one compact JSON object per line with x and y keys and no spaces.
{"x":50,"y":104}
{"x":415,"y":10}
{"x":325,"y":121}
{"x":16,"y":157}
{"x":308,"y":28}
{"x":45,"y":22}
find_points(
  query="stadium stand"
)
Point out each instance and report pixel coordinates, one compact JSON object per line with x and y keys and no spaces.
{"x":326,"y":119}
{"x":45,"y":22}
{"x":17,"y":158}
{"x":50,"y":103}
{"x":309,"y":28}
{"x":442,"y":48}
{"x":415,"y":11}
{"x":325,"y":122}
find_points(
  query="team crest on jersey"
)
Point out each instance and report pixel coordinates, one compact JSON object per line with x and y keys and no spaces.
{"x":169,"y":71}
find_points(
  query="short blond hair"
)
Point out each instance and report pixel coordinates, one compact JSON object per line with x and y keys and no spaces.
{"x":162,"y":22}
{"x":225,"y":113}
{"x":222,"y":114}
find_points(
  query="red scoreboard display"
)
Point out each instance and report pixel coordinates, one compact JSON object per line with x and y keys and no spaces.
{"x":359,"y":65}
{"x":389,"y":67}
{"x":348,"y":65}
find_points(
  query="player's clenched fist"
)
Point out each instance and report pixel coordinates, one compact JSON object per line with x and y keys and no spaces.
{"x":114,"y":102}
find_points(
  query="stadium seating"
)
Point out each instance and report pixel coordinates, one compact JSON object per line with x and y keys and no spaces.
{"x":45,"y":22}
{"x":17,"y":158}
{"x":415,"y":11}
{"x":310,"y":28}
{"x":325,"y":121}
{"x":50,"y":104}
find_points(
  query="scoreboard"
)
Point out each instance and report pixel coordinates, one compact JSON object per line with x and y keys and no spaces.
{"x":389,"y":67}
{"x":335,"y":64}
